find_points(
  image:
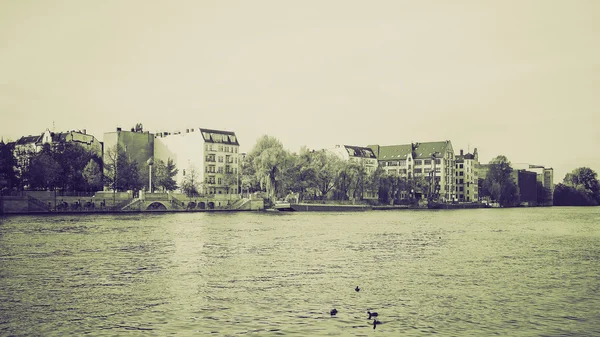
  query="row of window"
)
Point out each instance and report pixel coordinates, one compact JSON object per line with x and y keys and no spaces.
{"x":220,"y":169}
{"x":221,"y":148}
{"x":402,"y":162}
{"x":228,"y":159}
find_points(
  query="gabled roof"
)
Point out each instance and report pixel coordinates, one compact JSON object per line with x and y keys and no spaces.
{"x":394,"y":152}
{"x":426,"y":150}
{"x":358,"y":151}
{"x":28,"y":140}
{"x":465,"y":156}
{"x":219,"y":136}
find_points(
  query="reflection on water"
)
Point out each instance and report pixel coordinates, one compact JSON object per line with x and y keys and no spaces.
{"x":450,"y":272}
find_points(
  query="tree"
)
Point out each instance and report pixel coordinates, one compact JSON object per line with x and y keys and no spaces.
{"x":544,"y":196}
{"x":190,"y":184}
{"x":579,"y":188}
{"x":300,"y":173}
{"x":93,"y":175}
{"x":327,"y":166}
{"x":8,"y":166}
{"x":499,"y":182}
{"x":73,"y":159}
{"x":163,"y":175}
{"x":44,"y":172}
{"x":120,"y":171}
{"x":585,"y":180}
{"x":268,"y":159}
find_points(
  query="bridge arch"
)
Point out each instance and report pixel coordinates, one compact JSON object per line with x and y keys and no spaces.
{"x":201,"y":205}
{"x":156,"y":206}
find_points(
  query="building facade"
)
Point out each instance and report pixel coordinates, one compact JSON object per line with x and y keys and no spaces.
{"x":526,"y":182}
{"x":137,"y":144}
{"x":363,"y":156}
{"x":434,"y":161}
{"x":211,"y":155}
{"x":467,"y":179}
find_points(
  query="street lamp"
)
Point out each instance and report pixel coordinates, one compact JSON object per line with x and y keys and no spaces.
{"x":150,"y":163}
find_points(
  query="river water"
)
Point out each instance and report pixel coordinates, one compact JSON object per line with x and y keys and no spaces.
{"x":476,"y":272}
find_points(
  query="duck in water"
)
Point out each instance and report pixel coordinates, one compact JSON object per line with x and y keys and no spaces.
{"x":357,"y":289}
{"x":375,"y":322}
{"x":372,"y":314}
{"x":333,"y":312}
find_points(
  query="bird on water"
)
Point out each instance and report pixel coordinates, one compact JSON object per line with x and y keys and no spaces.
{"x":333,"y":312}
{"x":375,"y":322}
{"x":372,"y":314}
{"x":357,"y":289}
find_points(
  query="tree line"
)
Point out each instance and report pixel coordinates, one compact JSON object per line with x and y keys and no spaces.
{"x":268,"y":167}
{"x":71,"y":167}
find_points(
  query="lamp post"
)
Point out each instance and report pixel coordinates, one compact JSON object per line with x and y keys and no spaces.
{"x":150,"y":163}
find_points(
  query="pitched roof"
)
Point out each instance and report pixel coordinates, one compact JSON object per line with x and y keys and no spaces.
{"x":219,"y":136}
{"x":28,"y":140}
{"x":394,"y":152}
{"x":358,"y":151}
{"x":426,"y":150}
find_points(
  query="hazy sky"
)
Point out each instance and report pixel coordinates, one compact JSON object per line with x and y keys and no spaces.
{"x":519,"y":78}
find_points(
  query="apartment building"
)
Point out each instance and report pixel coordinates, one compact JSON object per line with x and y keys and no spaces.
{"x":25,"y":147}
{"x":427,"y":159}
{"x":211,"y":156}
{"x":363,"y":156}
{"x":466,"y":178}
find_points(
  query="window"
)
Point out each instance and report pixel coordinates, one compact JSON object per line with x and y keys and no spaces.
{"x":220,"y":180}
{"x":418,"y":162}
{"x":457,"y":181}
{"x":417,"y":170}
{"x":460,"y":165}
{"x":427,"y":161}
{"x":438,"y":161}
{"x":461,"y":181}
{"x":220,"y":169}
{"x":220,"y":148}
{"x":220,"y":159}
{"x":460,"y":173}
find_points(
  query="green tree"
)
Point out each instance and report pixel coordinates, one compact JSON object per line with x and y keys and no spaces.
{"x":500,"y":183}
{"x":93,"y":175}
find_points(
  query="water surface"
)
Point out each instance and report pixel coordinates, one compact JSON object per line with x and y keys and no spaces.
{"x":479,"y":272}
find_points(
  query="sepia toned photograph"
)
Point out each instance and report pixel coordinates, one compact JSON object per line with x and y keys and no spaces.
{"x":299,"y":168}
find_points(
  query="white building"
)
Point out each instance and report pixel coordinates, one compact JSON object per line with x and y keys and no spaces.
{"x":211,"y":156}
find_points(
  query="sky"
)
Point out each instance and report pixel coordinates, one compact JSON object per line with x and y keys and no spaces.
{"x":514,"y":78}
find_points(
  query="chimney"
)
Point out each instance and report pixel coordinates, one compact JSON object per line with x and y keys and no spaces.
{"x":118,"y":129}
{"x":461,"y":152}
{"x":84,"y":131}
{"x":187,"y":130}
